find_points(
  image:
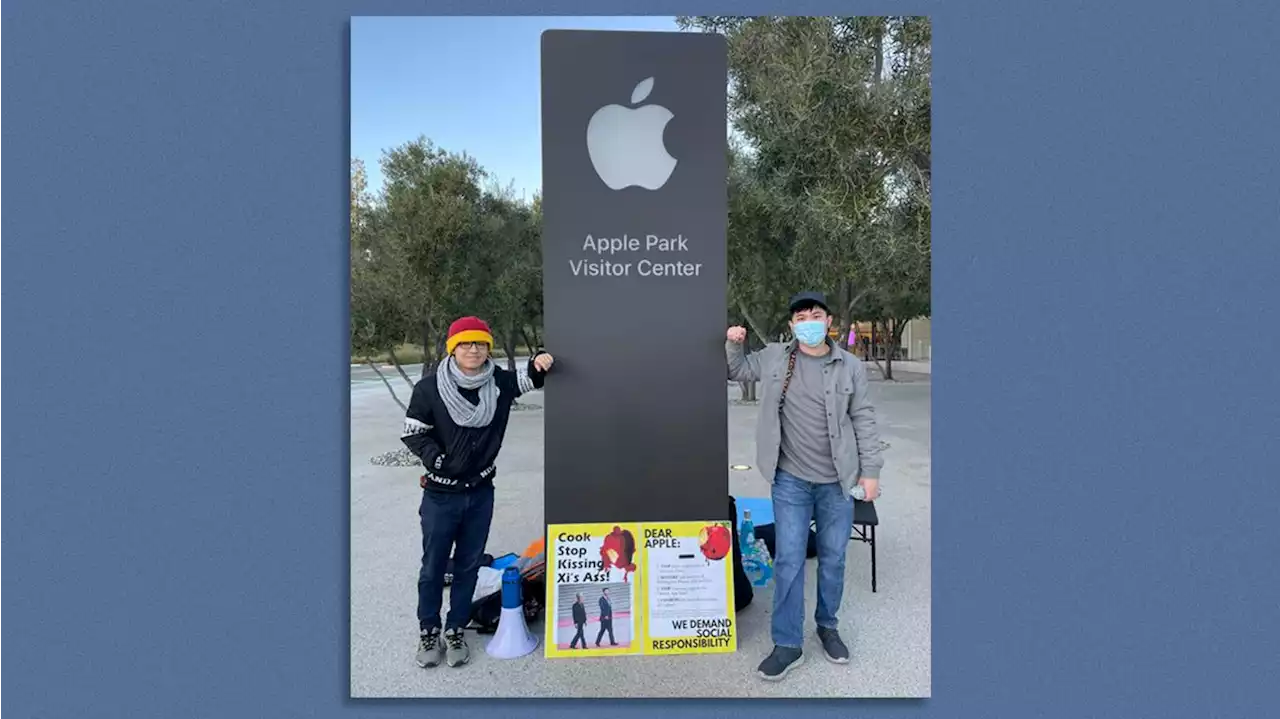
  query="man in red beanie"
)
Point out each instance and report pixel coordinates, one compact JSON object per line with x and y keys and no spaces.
{"x":455,"y":425}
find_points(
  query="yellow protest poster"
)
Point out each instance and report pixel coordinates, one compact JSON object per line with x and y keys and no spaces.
{"x":594,"y":592}
{"x":687,"y":576}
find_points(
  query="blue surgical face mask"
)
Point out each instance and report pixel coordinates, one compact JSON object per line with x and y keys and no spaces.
{"x":811,"y":332}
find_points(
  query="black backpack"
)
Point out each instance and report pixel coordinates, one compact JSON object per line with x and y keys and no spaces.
{"x":486,"y":560}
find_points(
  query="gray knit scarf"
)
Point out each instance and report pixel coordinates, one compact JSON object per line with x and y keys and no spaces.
{"x":449,"y":378}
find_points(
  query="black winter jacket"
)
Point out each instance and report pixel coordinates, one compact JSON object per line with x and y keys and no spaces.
{"x":459,"y":459}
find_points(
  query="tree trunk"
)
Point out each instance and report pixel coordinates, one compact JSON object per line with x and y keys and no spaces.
{"x":895,"y":335}
{"x":390,"y":389}
{"x":751,"y":322}
{"x":886,"y":371}
{"x":853,"y":304}
{"x":888,"y":362}
{"x":509,"y":346}
{"x":528,"y":342}
{"x":748,"y":391}
{"x":879,"y":46}
{"x":429,"y":353}
{"x":844,"y":306}
{"x":396,"y":361}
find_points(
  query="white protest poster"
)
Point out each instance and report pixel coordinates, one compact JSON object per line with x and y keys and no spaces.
{"x":688,"y":588}
{"x":594,"y":595}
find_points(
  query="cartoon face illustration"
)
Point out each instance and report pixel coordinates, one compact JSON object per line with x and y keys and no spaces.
{"x":715,"y":541}
{"x":619,"y":550}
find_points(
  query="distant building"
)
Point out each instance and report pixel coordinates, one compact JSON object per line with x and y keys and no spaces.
{"x":917,"y":343}
{"x":917,"y":339}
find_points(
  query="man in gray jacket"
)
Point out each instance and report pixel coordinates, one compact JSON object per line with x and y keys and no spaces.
{"x":816,"y":441}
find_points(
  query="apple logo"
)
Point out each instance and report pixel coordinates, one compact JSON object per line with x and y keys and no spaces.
{"x":625,"y":145}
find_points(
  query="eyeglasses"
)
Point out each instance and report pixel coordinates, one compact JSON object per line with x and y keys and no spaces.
{"x":473,"y":345}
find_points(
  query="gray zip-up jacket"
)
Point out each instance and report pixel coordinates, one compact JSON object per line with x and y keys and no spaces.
{"x":855,"y":442}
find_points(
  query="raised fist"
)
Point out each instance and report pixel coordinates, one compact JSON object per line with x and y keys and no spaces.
{"x":737,"y":334}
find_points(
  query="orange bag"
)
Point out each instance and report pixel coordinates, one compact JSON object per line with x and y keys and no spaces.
{"x":533,"y":560}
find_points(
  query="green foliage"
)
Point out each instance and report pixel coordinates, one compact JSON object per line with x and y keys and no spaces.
{"x":831,"y":189}
{"x":437,"y":243}
{"x":377,"y":311}
{"x":509,"y":255}
{"x":761,"y":233}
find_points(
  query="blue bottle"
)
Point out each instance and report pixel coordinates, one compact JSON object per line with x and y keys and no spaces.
{"x":746,"y":534}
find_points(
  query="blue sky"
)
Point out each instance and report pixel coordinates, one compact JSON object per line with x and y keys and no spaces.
{"x":467,"y":83}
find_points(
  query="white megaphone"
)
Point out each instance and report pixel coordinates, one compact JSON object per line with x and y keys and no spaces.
{"x":513,"y":639}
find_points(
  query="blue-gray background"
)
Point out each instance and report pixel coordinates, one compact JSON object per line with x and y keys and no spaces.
{"x":1107,"y":238}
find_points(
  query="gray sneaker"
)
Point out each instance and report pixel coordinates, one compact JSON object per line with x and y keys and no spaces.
{"x":430,"y":650}
{"x":458,"y":653}
{"x":832,"y":645}
{"x":777,"y":665}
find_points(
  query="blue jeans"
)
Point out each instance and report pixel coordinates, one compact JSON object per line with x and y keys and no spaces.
{"x":795,"y":502}
{"x":463,"y":520}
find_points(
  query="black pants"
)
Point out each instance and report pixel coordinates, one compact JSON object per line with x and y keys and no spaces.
{"x":606,"y":625}
{"x":457,"y":523}
{"x":579,"y":637}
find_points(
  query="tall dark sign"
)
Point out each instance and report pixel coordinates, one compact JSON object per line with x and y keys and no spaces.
{"x":634,"y":182}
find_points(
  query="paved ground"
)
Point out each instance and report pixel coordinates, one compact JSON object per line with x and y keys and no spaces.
{"x":888,"y":632}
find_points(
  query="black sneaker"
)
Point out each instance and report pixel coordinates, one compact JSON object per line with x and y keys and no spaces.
{"x":458,"y":653}
{"x":832,"y":645}
{"x":776,"y":666}
{"x":430,"y":650}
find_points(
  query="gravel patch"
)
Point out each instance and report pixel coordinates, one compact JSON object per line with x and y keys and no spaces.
{"x":398,"y":458}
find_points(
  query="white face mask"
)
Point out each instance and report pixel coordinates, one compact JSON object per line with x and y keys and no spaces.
{"x":810,"y":332}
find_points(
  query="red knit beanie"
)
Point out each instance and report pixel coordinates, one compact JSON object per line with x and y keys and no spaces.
{"x":468,"y":329}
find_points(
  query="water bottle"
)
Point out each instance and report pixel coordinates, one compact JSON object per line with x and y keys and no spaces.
{"x":746,"y":534}
{"x":762,"y":553}
{"x":751,"y":565}
{"x":859,"y":493}
{"x":764,"y":563}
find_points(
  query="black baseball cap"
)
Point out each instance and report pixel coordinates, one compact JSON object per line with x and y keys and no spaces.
{"x":806,"y":298}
